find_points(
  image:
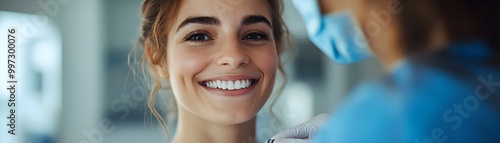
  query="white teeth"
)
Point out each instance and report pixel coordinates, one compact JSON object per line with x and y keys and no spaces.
{"x":224,"y":85}
{"x":213,"y":84}
{"x":228,"y":85}
{"x":219,"y":84}
{"x":237,"y":84}
{"x":246,"y":83}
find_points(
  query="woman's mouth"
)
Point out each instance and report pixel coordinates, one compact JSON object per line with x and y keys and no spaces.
{"x":229,"y":84}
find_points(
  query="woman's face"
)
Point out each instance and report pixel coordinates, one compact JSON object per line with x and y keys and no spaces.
{"x":222,"y":58}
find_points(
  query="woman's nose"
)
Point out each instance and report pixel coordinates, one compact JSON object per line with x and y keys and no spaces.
{"x":232,"y":55}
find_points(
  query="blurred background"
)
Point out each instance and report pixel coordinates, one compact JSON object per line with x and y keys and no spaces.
{"x":74,"y":82}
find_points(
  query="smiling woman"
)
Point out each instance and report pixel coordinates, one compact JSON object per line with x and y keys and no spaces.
{"x":220,"y":59}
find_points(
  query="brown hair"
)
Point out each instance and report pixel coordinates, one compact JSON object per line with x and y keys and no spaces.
{"x":157,"y":18}
{"x":463,"y":20}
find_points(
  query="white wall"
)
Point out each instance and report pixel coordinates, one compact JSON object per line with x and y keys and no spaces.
{"x":82,"y":60}
{"x":81,"y":23}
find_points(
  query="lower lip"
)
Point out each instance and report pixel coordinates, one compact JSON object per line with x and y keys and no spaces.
{"x":232,"y":93}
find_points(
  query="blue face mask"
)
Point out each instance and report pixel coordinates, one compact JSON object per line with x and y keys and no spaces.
{"x":337,"y":35}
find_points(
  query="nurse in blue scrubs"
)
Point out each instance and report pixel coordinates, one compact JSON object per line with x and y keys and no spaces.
{"x":442,"y":66}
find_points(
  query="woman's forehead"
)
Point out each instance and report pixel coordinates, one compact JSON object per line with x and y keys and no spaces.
{"x":225,"y":10}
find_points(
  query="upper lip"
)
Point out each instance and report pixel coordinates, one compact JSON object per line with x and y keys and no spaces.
{"x":231,"y":77}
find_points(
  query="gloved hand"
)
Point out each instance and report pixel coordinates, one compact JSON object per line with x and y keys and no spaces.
{"x":301,"y":133}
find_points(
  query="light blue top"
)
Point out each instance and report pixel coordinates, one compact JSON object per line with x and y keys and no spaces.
{"x":440,"y":101}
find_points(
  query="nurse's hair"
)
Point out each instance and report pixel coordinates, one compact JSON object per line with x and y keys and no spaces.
{"x":157,"y":17}
{"x":463,"y":20}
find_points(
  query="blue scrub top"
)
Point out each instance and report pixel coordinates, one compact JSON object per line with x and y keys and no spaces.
{"x":452,"y":96}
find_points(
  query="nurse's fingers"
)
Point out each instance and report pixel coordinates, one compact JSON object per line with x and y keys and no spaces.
{"x":300,"y":131}
{"x":304,"y":130}
{"x":288,"y":141}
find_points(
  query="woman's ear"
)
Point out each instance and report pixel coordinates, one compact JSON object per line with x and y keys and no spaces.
{"x":163,"y":71}
{"x":157,"y":63}
{"x":149,"y":53}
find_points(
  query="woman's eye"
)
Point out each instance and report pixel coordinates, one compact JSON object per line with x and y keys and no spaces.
{"x":257,"y":36}
{"x":198,"y":37}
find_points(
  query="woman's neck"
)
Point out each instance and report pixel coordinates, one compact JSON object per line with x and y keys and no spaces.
{"x":194,"y":129}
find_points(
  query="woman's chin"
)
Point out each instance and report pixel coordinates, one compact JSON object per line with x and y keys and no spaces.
{"x":231,"y":118}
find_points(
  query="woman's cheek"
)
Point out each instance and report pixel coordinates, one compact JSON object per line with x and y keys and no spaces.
{"x":268,"y":61}
{"x":187,"y":63}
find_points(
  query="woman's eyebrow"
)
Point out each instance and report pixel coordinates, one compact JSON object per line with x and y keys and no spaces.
{"x":252,"y":19}
{"x":209,"y":20}
{"x":206,"y":20}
